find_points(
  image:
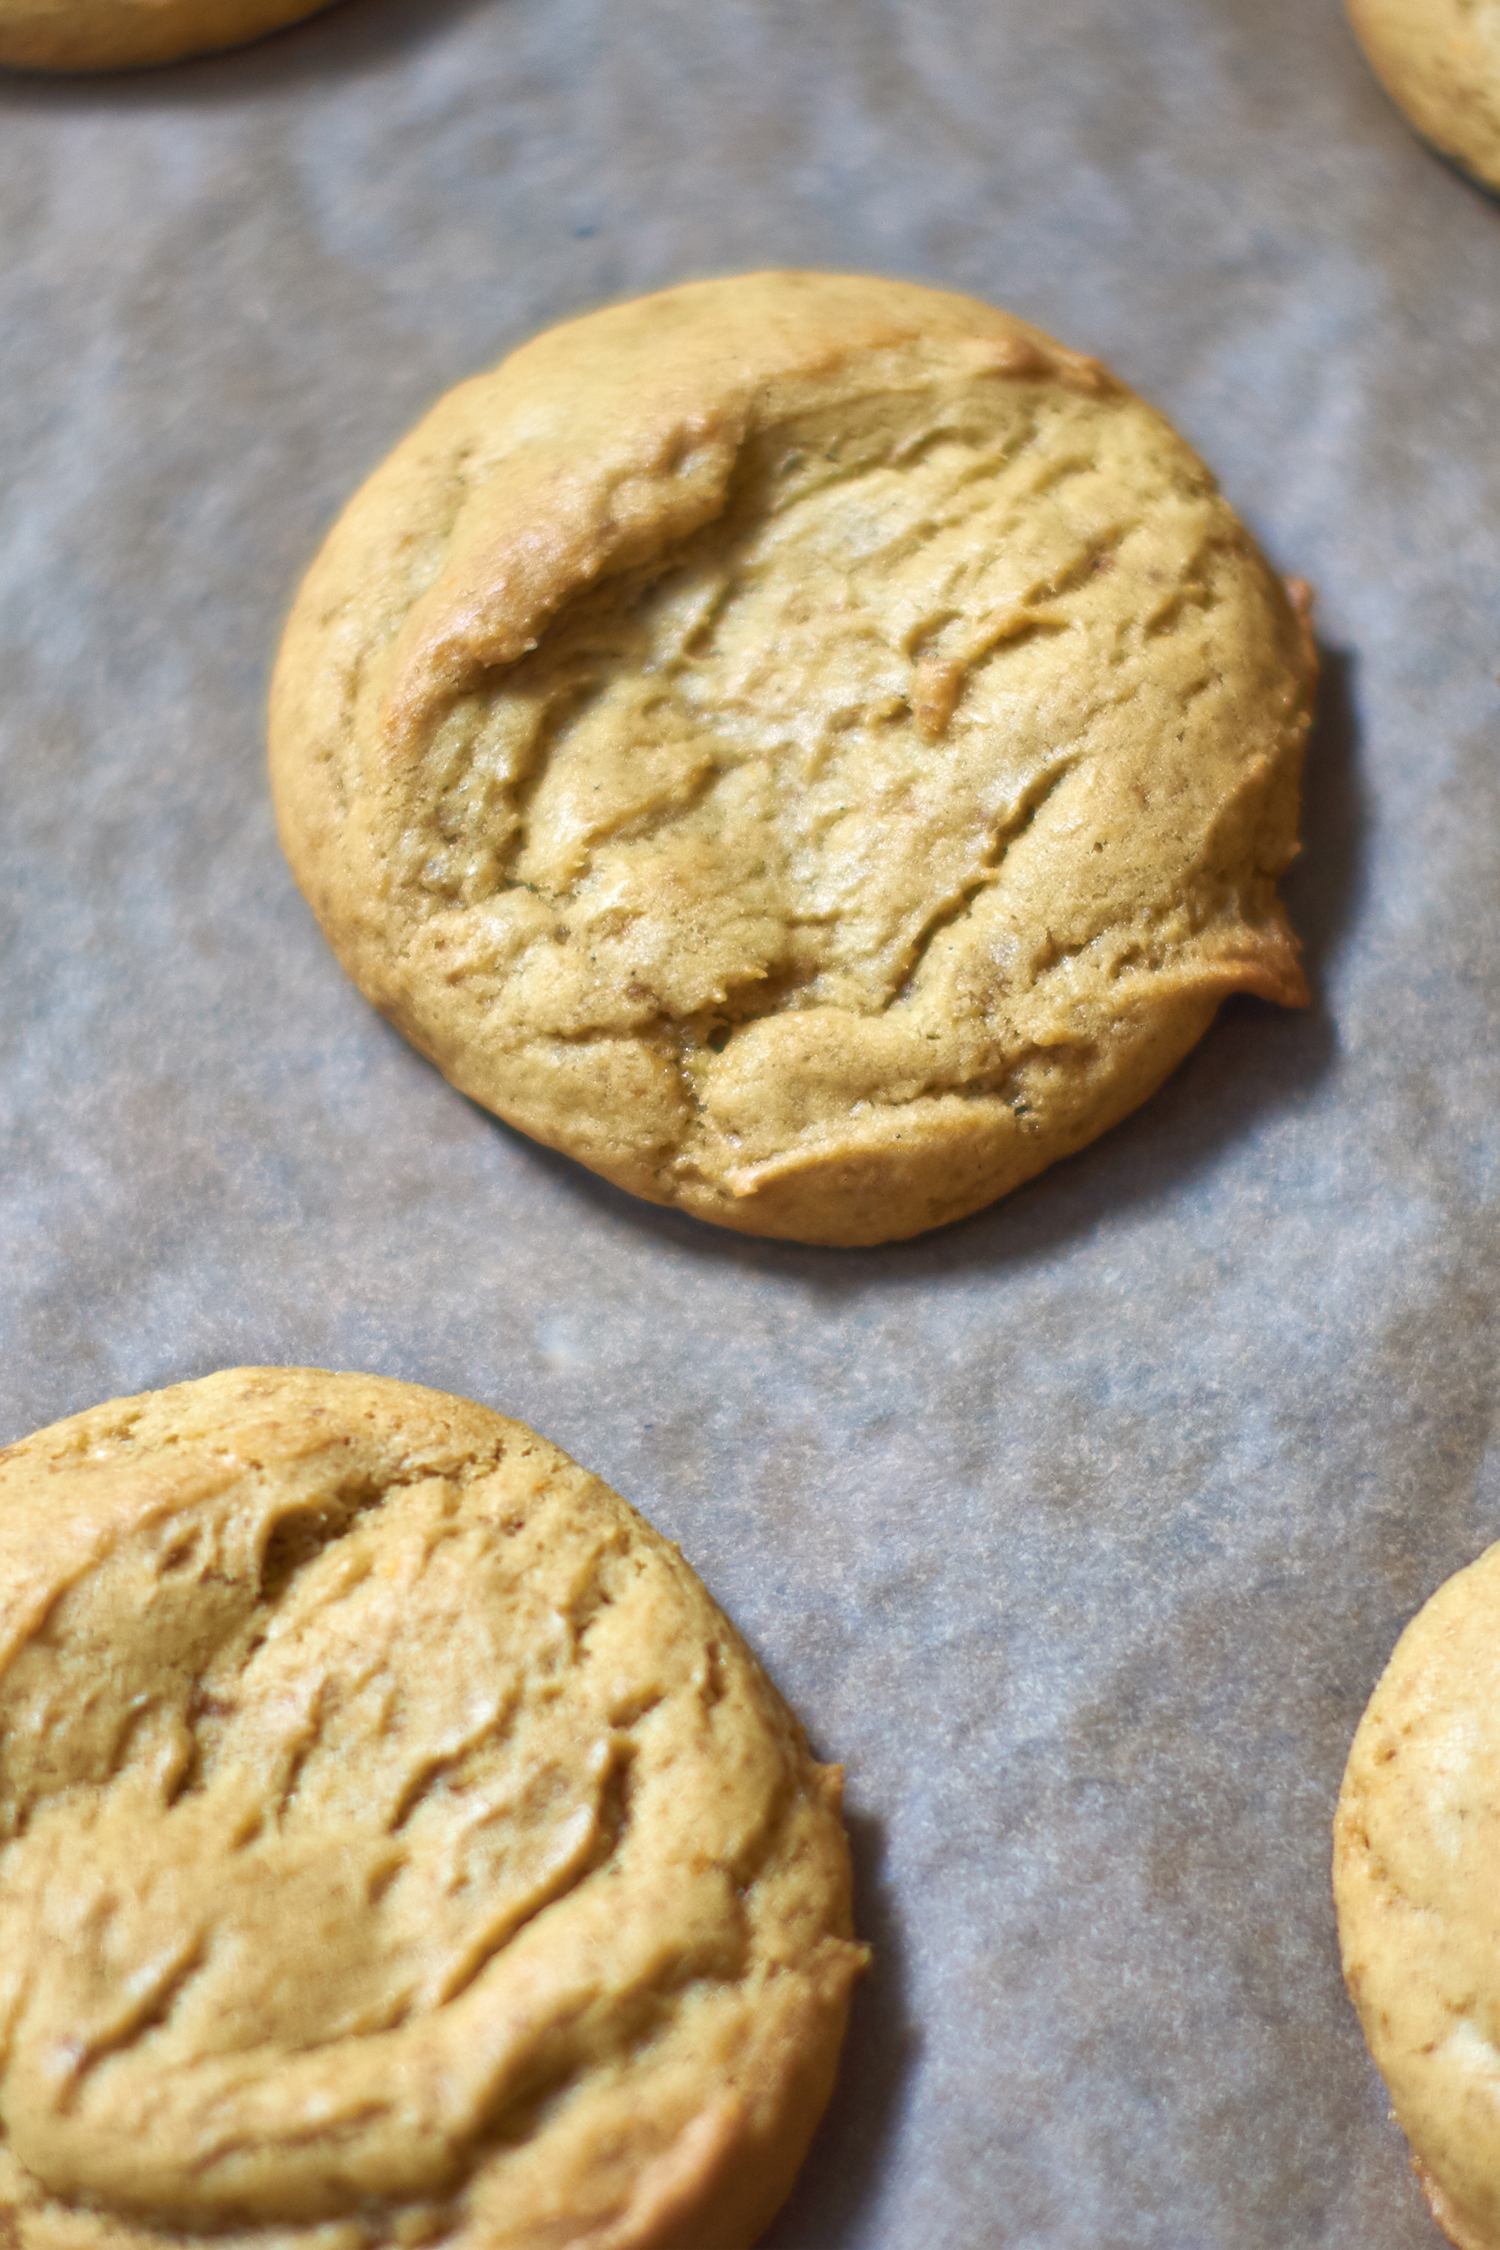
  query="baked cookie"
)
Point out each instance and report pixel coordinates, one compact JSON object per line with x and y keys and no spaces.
{"x":1416,"y":1877}
{"x":124,"y":34}
{"x":810,"y":747}
{"x":396,"y":1844}
{"x":1440,"y":60}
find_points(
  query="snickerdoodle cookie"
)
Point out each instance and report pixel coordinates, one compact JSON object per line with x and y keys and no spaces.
{"x":1440,"y":60}
{"x":396,"y":1844}
{"x":810,"y":747}
{"x":1416,"y":1875}
{"x":126,"y":34}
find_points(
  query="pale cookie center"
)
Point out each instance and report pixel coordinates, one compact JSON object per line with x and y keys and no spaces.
{"x":768,"y":771}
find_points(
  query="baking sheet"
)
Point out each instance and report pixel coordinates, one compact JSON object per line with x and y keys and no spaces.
{"x":1079,"y":1531}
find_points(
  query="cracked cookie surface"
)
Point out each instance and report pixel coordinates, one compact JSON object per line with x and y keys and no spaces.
{"x":1439,"y":60}
{"x":811,"y":748}
{"x":1416,"y":1878}
{"x":396,"y":1844}
{"x":130,"y":34}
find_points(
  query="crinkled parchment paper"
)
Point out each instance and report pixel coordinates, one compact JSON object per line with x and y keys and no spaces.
{"x":1081,"y":1531}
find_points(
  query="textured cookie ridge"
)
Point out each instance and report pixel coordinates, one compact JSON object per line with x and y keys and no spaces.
{"x":83,"y":35}
{"x":1416,"y":1873}
{"x":1440,"y":61}
{"x":396,"y":1844}
{"x":812,"y":748}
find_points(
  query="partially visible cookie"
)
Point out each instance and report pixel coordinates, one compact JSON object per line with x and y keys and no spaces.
{"x":126,"y":34}
{"x":1440,"y":60}
{"x":396,"y":1844}
{"x":810,"y":747}
{"x":1416,"y":1874}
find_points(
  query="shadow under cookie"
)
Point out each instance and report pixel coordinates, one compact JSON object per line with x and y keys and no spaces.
{"x":103,"y":35}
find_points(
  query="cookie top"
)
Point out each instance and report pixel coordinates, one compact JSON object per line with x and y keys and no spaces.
{"x":396,"y":1844}
{"x":810,"y":747}
{"x":1440,"y":60}
{"x":126,"y":34}
{"x":1416,"y":1874}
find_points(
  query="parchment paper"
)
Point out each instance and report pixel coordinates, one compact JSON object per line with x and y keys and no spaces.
{"x":1080,"y":1532}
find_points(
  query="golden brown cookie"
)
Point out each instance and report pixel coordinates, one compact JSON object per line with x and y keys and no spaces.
{"x":1440,"y":60}
{"x":1416,"y":1876}
{"x":396,"y":1844}
{"x":810,"y":747}
{"x":124,"y":34}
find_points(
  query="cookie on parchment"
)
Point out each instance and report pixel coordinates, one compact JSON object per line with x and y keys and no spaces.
{"x":810,"y":747}
{"x":1440,"y":61}
{"x":396,"y":1844}
{"x":1416,"y":1874}
{"x":127,"y":34}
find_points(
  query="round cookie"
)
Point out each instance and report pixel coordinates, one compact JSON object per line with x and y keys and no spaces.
{"x":1416,"y":1875}
{"x":1440,"y":61}
{"x":126,"y":34}
{"x":396,"y":1844}
{"x":810,"y":747}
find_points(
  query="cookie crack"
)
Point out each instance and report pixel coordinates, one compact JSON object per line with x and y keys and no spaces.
{"x":305,"y":1530}
{"x":152,"y":2011}
{"x":1007,"y":833}
{"x":430,"y":1771}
